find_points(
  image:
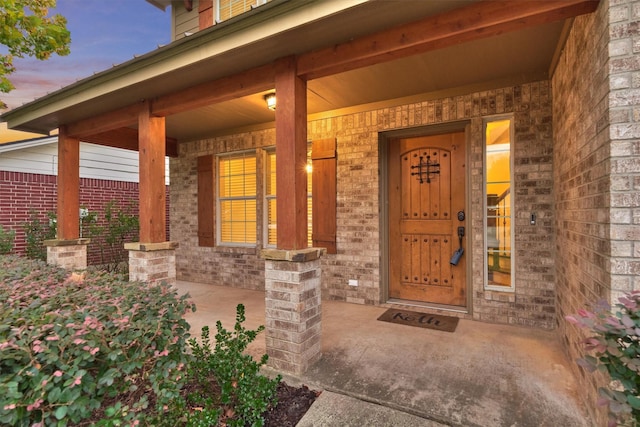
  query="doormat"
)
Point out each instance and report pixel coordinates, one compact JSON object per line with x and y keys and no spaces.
{"x":421,"y":320}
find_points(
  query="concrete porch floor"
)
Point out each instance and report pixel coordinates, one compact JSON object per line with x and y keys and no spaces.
{"x":480,"y":375}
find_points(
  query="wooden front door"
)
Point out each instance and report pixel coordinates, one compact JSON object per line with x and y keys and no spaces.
{"x":427,"y":178}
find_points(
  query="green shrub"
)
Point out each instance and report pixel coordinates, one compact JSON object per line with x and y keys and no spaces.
{"x":120,"y":225}
{"x":87,"y":346}
{"x":36,"y":233}
{"x":6,"y":241}
{"x":229,"y":381}
{"x":616,"y":344}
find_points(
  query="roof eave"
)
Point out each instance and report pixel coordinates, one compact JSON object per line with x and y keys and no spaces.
{"x":36,"y":116}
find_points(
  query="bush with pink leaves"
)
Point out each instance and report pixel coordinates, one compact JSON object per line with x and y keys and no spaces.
{"x":615,"y":345}
{"x":86,"y":346}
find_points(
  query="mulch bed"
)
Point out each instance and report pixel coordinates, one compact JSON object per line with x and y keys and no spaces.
{"x":293,"y":403}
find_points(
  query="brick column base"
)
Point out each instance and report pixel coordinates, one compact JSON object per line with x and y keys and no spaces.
{"x":152,"y":262}
{"x":293,"y":308}
{"x":69,"y":254}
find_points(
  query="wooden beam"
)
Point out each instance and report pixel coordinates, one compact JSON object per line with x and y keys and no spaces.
{"x":248,"y":82}
{"x":479,"y":20}
{"x":291,"y":156}
{"x":123,"y":117}
{"x":68,"y":207}
{"x":242,"y":84}
{"x":152,"y":177}
{"x":127,"y":139}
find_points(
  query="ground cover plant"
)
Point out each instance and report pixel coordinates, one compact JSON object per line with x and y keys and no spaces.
{"x":93,"y":349}
{"x":615,"y":343}
{"x":70,"y":342}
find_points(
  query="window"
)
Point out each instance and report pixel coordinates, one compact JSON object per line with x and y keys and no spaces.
{"x":237,"y":199}
{"x":499,"y":204}
{"x":227,"y":9}
{"x":271,"y":237}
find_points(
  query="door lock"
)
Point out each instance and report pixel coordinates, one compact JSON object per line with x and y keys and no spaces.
{"x":460,"y":216}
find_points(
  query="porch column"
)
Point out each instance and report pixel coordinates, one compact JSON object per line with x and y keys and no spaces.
{"x":291,"y":156}
{"x":68,"y":250}
{"x":293,"y":308}
{"x":152,"y":258}
{"x":292,"y":271}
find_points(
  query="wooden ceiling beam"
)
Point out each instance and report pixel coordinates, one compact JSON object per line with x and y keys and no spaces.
{"x":123,"y":117}
{"x":248,"y":82}
{"x":127,"y":138}
{"x":479,"y":20}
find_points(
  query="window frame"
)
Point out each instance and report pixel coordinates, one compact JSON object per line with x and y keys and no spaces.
{"x":485,"y":205}
{"x":219,"y":215}
{"x":217,"y":11}
{"x":271,"y":151}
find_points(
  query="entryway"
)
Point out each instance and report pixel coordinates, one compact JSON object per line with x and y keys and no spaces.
{"x":427,"y":219}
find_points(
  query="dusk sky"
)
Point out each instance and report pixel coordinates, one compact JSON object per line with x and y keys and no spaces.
{"x":103,"y":33}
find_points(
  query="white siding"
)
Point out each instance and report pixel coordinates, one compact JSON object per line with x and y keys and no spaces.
{"x":96,"y":161}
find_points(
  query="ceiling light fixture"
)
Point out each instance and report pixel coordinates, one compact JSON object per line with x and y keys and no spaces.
{"x":270,"y":99}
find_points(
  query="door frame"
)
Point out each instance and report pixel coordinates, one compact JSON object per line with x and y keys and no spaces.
{"x":384,"y":139}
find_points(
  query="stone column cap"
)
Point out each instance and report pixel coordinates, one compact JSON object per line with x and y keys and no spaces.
{"x":66,"y":242}
{"x":293,"y":255}
{"x":149,"y":247}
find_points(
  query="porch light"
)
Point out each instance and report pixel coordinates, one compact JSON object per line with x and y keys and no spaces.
{"x":270,"y":99}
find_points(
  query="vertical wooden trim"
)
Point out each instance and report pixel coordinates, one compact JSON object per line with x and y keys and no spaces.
{"x":206,"y":200}
{"x":323,"y":156}
{"x":205,"y":14}
{"x":291,"y":155}
{"x":151,"y":134}
{"x":68,"y":186}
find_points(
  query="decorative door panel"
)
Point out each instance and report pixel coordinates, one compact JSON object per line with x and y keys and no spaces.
{"x":426,"y":192}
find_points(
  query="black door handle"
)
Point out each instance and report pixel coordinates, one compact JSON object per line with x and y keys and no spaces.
{"x":455,"y":259}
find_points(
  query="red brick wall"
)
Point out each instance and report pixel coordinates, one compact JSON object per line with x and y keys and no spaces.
{"x":20,"y":193}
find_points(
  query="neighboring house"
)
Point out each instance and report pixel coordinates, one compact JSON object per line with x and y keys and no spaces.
{"x":28,"y":183}
{"x":507,"y":129}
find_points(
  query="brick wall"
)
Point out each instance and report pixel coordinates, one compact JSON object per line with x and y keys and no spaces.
{"x":22,"y":192}
{"x":588,"y":180}
{"x":624,"y":114}
{"x":358,"y":203}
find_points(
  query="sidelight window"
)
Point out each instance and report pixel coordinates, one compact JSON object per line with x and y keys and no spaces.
{"x":498,"y":179}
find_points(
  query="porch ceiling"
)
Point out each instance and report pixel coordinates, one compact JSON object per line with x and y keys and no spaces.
{"x":500,"y":61}
{"x":510,"y":58}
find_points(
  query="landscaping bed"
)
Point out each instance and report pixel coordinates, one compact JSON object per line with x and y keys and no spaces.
{"x":92,"y":348}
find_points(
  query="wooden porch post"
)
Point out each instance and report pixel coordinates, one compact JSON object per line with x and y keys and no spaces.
{"x":291,"y":156}
{"x":292,"y":271}
{"x":151,"y":138}
{"x":152,"y":259}
{"x":68,"y":208}
{"x":68,"y":250}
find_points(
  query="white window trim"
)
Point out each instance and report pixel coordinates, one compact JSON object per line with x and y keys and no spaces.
{"x":487,"y":286}
{"x":219,"y":241}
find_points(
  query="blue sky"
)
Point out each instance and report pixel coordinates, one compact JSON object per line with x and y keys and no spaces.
{"x":103,"y":33}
